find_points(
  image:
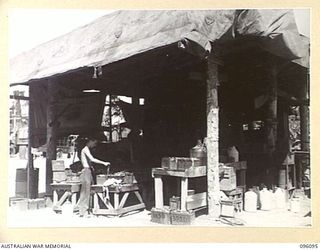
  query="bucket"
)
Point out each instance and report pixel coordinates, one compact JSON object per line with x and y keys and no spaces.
{"x":250,"y":201}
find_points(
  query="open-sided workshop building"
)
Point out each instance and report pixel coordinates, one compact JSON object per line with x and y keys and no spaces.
{"x":228,"y":75}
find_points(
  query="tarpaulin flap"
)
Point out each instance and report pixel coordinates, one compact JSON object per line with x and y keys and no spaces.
{"x":73,"y":115}
{"x":277,"y":31}
{"x":123,"y":34}
{"x":108,"y":39}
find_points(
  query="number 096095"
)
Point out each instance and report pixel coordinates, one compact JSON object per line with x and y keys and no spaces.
{"x":309,"y":246}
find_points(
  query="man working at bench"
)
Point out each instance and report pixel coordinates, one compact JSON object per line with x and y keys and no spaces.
{"x":86,"y":175}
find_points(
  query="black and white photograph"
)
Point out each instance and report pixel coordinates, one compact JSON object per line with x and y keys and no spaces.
{"x":159,"y":118}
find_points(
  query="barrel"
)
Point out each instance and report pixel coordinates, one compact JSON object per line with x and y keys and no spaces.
{"x":21,"y":183}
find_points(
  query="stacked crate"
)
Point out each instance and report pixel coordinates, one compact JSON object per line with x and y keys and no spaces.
{"x":58,"y":170}
{"x":172,"y":217}
{"x":179,"y":163}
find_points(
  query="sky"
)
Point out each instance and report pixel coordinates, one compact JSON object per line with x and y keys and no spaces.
{"x":31,"y":27}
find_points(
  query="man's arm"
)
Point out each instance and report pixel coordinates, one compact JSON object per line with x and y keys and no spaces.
{"x":92,"y":159}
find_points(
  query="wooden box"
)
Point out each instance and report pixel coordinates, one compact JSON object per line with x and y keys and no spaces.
{"x":101,"y":178}
{"x":19,"y":204}
{"x":179,"y":163}
{"x":161,"y":216}
{"x":182,"y":217}
{"x":228,"y":178}
{"x":227,"y":208}
{"x":59,"y":176}
{"x":32,"y":205}
{"x":41,"y":203}
{"x":175,"y":203}
{"x":58,"y":165}
{"x":195,"y":201}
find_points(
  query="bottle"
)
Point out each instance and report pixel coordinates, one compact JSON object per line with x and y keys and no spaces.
{"x":199,"y":151}
{"x":250,"y":201}
{"x":266,"y":199}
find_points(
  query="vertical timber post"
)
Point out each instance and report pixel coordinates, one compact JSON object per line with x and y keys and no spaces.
{"x":271,"y":122}
{"x":304,"y":120}
{"x":51,"y":134}
{"x":110,"y":116}
{"x":30,"y":180}
{"x":135,"y":127}
{"x":213,"y":138}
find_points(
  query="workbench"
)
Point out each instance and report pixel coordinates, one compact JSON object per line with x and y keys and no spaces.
{"x":188,"y":202}
{"x":116,"y":204}
{"x":62,"y":191}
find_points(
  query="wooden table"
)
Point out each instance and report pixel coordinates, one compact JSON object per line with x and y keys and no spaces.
{"x":104,"y":206}
{"x":187,"y":202}
{"x":69,"y":189}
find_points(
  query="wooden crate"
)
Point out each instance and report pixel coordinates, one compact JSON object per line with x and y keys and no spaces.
{"x":228,"y":178}
{"x":58,"y":165}
{"x":19,"y":204}
{"x":182,"y":217}
{"x":161,"y":216}
{"x":32,"y":205}
{"x":101,"y":178}
{"x":59,"y":176}
{"x":196,"y":200}
{"x":179,"y":163}
{"x":227,"y":208}
{"x":41,"y":203}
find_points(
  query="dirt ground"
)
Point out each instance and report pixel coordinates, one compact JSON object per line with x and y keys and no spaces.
{"x":46,"y":217}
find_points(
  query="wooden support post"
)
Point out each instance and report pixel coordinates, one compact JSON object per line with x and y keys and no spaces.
{"x":55,"y":197}
{"x":158,"y":188}
{"x":51,"y":134}
{"x":116,"y":200}
{"x":30,"y":168}
{"x":134,"y":126}
{"x":213,"y":138}
{"x":304,"y":120}
{"x":110,"y":117}
{"x":184,"y":193}
{"x":271,"y":122}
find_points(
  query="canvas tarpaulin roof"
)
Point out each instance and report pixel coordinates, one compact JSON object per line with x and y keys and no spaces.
{"x":125,"y":33}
